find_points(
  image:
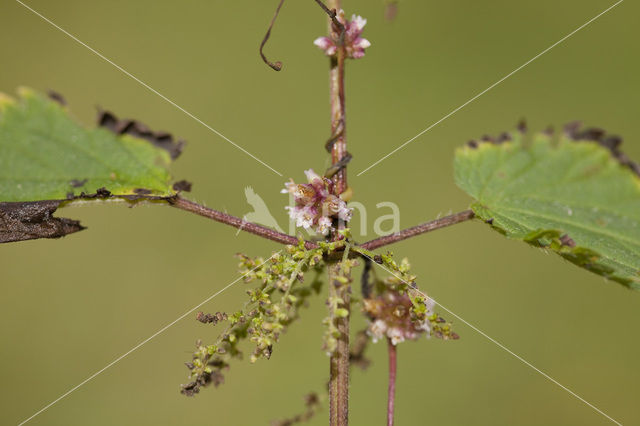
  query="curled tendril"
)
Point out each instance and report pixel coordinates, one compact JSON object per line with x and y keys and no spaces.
{"x":332,"y":13}
{"x":276,"y":66}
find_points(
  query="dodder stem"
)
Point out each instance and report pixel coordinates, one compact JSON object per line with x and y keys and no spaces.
{"x":391,"y":398}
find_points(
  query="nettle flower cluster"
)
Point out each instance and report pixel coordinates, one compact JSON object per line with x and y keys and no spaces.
{"x":399,"y":312}
{"x":271,"y":307}
{"x":354,"y":45}
{"x":316,"y":207}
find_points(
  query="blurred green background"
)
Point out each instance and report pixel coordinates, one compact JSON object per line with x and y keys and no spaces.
{"x":71,"y":306}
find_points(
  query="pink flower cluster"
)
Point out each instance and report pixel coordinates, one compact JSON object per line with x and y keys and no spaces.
{"x":354,"y":44}
{"x":317,"y":207}
{"x":390,"y":316}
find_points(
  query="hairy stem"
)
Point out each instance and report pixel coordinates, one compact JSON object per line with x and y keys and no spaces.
{"x":391,"y":398}
{"x":339,"y":363}
{"x":419,"y":229}
{"x":236,"y":222}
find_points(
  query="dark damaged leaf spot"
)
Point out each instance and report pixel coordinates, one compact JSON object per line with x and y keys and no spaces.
{"x":57,"y":97}
{"x":49,"y":160}
{"x":504,"y":137}
{"x":574,"y":193}
{"x":611,"y":142}
{"x":76,"y":183}
{"x":137,"y":129}
{"x":522,"y":126}
{"x":566,"y":240}
{"x":28,"y":221}
{"x":182,"y":186}
{"x":103,"y":192}
{"x":142,"y":191}
{"x":574,"y":132}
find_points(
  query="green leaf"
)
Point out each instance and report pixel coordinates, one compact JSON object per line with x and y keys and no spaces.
{"x":575,"y":194}
{"x":46,"y":155}
{"x":48,"y":160}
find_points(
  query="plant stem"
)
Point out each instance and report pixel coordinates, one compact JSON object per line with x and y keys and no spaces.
{"x":236,"y":222}
{"x":391,"y":399}
{"x":419,"y":229}
{"x":279,"y":237}
{"x":339,"y":363}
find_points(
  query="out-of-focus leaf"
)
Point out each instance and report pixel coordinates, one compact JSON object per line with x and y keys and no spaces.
{"x":576,"y":194}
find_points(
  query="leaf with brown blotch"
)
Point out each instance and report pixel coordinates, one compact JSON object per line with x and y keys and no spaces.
{"x":48,"y":160}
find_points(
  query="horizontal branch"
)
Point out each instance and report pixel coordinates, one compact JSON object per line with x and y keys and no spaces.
{"x":279,"y":237}
{"x":236,"y":222}
{"x":419,"y":229}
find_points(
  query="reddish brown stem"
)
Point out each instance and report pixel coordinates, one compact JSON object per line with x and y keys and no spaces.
{"x":419,"y":229}
{"x":236,"y":222}
{"x":339,"y":363}
{"x":277,"y":66}
{"x":391,"y":398}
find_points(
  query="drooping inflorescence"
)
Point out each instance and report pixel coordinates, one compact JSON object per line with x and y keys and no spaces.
{"x":272,"y":306}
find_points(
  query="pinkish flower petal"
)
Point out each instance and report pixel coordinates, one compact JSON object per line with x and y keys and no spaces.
{"x":312,"y":176}
{"x":323,"y":42}
{"x":361,"y":43}
{"x":396,"y":335}
{"x":344,"y":213}
{"x":304,"y":194}
{"x":377,"y":330}
{"x":359,"y":22}
{"x":305,"y":217}
{"x":324,"y":225}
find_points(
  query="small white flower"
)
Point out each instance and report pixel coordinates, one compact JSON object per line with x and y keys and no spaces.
{"x":359,"y":21}
{"x":324,"y":225}
{"x":425,"y":326}
{"x":362,"y":43}
{"x":323,"y":42}
{"x":313,"y":177}
{"x":305,"y":217}
{"x":344,"y":213}
{"x":430,"y":304}
{"x":396,"y":335}
{"x":377,"y":330}
{"x":289,"y":187}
